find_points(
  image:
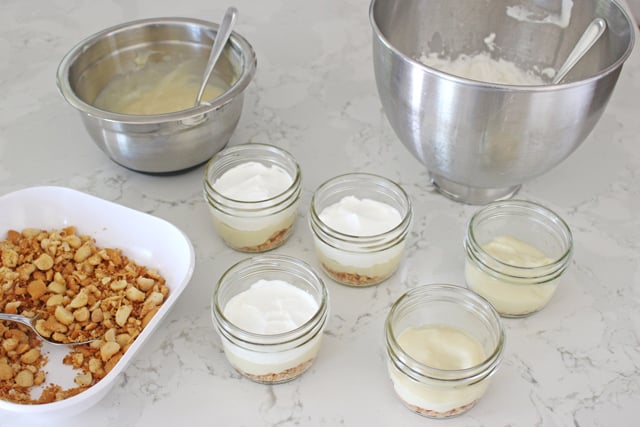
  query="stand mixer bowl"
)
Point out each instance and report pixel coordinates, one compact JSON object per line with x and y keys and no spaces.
{"x":481,"y":141}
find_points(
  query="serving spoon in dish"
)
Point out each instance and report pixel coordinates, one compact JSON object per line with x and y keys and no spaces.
{"x":31,"y":323}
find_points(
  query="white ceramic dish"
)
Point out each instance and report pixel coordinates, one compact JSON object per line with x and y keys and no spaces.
{"x":146,"y":239}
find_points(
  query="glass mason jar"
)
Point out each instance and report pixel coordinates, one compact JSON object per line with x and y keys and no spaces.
{"x":448,"y":378}
{"x":352,"y":259}
{"x":278,"y":357}
{"x":516,"y":253}
{"x":253,"y":226}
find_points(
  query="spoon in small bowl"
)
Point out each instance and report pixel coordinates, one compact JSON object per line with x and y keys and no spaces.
{"x":590,"y":36}
{"x":31,"y":322}
{"x":224,"y":31}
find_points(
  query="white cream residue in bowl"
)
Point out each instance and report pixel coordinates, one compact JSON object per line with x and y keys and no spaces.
{"x":561,"y":19}
{"x":482,"y":67}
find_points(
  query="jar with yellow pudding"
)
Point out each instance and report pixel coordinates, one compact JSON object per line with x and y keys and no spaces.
{"x":253,"y":191}
{"x":360,"y":223}
{"x":444,"y":343}
{"x":270,"y":312}
{"x":516,"y":254}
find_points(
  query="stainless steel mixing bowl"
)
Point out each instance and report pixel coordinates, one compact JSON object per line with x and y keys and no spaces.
{"x":163,"y":143}
{"x":481,"y":141}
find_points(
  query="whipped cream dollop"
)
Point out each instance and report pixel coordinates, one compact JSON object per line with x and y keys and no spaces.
{"x":482,"y":67}
{"x":360,"y":217}
{"x":270,"y":307}
{"x":253,"y":182}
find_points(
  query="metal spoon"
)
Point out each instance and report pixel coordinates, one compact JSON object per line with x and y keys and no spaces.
{"x":591,"y":35}
{"x":30,"y":322}
{"x":224,"y":31}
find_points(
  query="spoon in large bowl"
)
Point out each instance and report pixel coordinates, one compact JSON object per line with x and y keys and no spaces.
{"x":590,"y":36}
{"x":31,"y":322}
{"x":224,"y":31}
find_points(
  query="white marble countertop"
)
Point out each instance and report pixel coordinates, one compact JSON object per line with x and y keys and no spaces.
{"x":575,"y":363}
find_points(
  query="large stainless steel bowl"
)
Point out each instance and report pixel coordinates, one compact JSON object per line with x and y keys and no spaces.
{"x":481,"y":141}
{"x":163,"y":143}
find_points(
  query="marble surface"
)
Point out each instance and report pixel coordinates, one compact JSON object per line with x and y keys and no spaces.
{"x":576,"y":363}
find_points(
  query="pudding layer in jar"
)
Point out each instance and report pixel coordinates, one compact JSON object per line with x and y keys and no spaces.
{"x":509,"y":297}
{"x":253,"y":192}
{"x":270,"y":312}
{"x":355,"y":269}
{"x":516,"y":254}
{"x":359,"y":224}
{"x":444,"y":343}
{"x":271,"y":307}
{"x":441,"y":347}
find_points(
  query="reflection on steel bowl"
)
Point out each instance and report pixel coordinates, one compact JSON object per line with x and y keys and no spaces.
{"x":480,"y":141}
{"x":157,"y":143}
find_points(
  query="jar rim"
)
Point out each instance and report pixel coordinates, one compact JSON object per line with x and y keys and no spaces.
{"x":475,"y":250}
{"x":316,"y":321}
{"x":378,"y":238}
{"x":211,"y":192}
{"x":420,"y":371}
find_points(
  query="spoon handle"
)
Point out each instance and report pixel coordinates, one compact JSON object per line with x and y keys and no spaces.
{"x":591,"y":35}
{"x":224,"y":31}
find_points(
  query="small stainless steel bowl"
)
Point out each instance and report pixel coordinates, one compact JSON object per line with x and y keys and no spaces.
{"x":163,"y":143}
{"x":480,"y":141}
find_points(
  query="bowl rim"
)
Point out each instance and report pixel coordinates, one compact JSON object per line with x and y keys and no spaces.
{"x":513,"y":88}
{"x":237,"y":40}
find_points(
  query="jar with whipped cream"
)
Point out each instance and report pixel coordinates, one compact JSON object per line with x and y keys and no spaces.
{"x":270,"y":312}
{"x":253,"y":191}
{"x":444,"y":343}
{"x":516,"y":254}
{"x":359,"y":223}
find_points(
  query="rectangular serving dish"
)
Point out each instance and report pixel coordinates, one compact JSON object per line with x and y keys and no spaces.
{"x":146,"y":239}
